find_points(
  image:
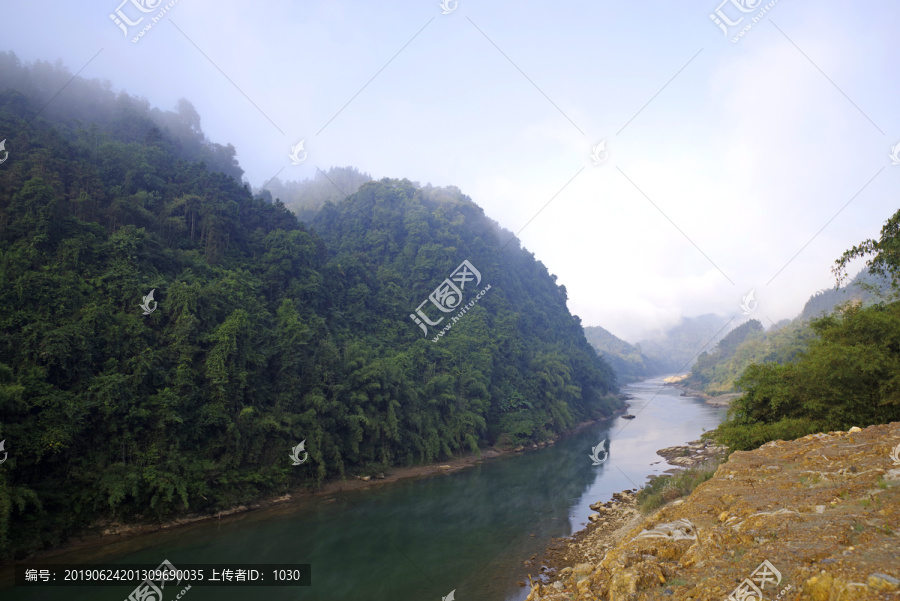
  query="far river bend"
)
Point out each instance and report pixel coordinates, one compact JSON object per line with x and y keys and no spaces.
{"x":419,"y":539}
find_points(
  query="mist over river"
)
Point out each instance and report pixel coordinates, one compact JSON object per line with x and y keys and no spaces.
{"x":467,"y":531}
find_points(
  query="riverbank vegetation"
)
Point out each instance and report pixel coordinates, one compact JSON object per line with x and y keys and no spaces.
{"x":669,"y":487}
{"x":848,"y":375}
{"x":262,"y":331}
{"x":716,"y":372}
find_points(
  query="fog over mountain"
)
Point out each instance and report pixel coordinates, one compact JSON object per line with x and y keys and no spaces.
{"x":732,"y":161}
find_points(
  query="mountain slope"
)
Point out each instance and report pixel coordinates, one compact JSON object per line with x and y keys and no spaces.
{"x":260,"y":333}
{"x":716,"y":372}
{"x":676,"y":349}
{"x":629,"y":363}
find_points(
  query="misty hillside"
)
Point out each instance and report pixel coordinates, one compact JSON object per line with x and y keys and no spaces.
{"x":170,"y":337}
{"x":676,"y":349}
{"x":716,"y":372}
{"x":865,"y":288}
{"x":304,"y":198}
{"x":629,"y":363}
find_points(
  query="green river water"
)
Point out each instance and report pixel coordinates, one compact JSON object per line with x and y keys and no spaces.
{"x":417,"y":539}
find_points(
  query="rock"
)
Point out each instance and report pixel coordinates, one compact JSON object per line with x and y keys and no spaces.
{"x":366,"y":478}
{"x":854,"y":429}
{"x":444,"y":467}
{"x":582,"y":569}
{"x":678,"y":530}
{"x":380,"y":476}
{"x":769,"y":503}
{"x":882,"y":582}
{"x":628,"y":416}
{"x":594,"y":517}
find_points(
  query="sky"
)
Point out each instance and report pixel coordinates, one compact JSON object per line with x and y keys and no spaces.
{"x":659,"y":164}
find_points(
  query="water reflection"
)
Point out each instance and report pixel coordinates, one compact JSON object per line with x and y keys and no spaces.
{"x":420,"y":539}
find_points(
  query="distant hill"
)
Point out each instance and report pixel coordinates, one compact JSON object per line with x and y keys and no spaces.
{"x":864,"y":288}
{"x":629,"y":363}
{"x":676,"y":349}
{"x":715,"y":372}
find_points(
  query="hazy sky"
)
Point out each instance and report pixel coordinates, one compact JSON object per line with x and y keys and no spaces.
{"x":725,"y":158}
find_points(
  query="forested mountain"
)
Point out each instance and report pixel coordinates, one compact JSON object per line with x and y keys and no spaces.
{"x":629,"y":363}
{"x":717,"y":372}
{"x":677,"y":348}
{"x":261,"y":332}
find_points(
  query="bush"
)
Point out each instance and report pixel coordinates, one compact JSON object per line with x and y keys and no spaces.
{"x":665,"y":489}
{"x":849,"y":376}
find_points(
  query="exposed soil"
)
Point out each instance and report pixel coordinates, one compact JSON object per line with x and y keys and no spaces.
{"x":823,"y":511}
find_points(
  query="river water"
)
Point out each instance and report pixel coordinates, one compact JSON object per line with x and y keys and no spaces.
{"x":468,"y":531}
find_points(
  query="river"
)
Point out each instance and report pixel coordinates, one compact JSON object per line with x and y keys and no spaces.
{"x":467,"y":531}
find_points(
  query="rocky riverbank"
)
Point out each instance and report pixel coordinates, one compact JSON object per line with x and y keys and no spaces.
{"x":692,"y":454}
{"x":814,"y":518}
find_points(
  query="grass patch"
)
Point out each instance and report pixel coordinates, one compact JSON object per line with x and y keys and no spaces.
{"x":809,"y":481}
{"x":665,"y":489}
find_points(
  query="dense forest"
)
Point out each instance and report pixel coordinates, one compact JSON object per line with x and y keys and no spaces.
{"x":261,"y":331}
{"x":847,"y":375}
{"x":627,"y":360}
